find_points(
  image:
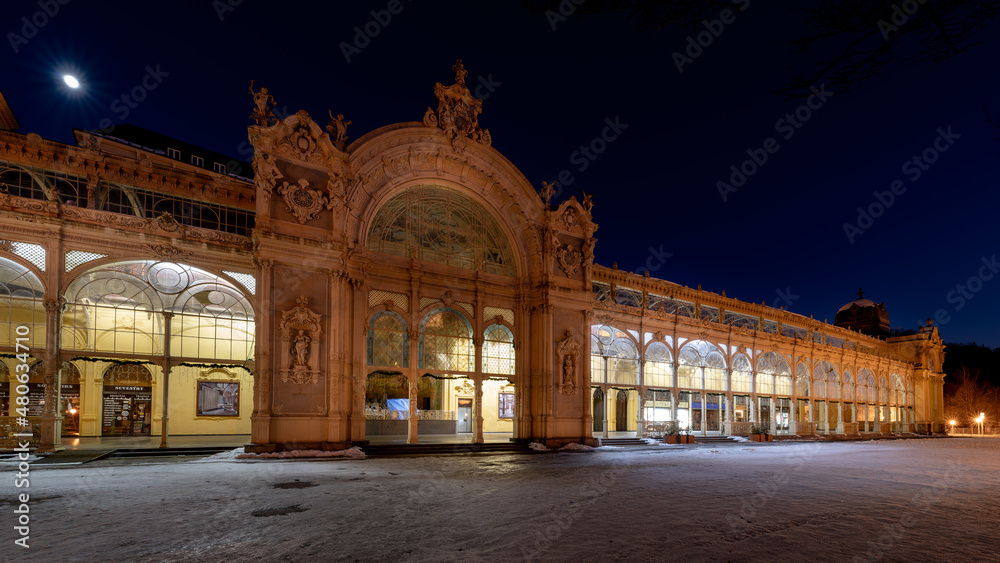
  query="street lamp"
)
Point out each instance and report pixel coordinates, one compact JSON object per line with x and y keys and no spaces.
{"x":980,"y":419}
{"x":952,"y":422}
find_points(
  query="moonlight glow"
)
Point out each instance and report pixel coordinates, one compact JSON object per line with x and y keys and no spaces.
{"x":71,"y":81}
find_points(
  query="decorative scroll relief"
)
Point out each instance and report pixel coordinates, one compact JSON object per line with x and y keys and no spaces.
{"x":300,"y":336}
{"x":569,"y":355}
{"x":569,"y":260}
{"x":458,"y":111}
{"x":301,"y":200}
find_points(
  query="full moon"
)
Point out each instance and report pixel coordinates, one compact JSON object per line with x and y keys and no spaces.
{"x":71,"y":81}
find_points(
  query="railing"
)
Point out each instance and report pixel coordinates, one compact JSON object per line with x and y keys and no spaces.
{"x":436,"y":415}
{"x":9,"y":426}
{"x":380,"y":413}
{"x":885,"y":427}
{"x":850,"y":428}
{"x":805,"y":428}
{"x":742,"y":428}
{"x":654,"y":429}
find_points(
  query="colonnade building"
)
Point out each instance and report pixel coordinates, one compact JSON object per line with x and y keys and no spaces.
{"x":408,"y":283}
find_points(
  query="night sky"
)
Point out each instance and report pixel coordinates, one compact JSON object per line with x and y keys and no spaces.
{"x":778,"y":238}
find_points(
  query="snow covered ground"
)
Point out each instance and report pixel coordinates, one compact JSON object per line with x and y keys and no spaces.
{"x":904,"y":500}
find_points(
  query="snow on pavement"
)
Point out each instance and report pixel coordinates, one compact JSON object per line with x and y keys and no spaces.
{"x":903,"y":500}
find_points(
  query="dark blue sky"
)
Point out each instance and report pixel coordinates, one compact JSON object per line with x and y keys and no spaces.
{"x":779,"y":238}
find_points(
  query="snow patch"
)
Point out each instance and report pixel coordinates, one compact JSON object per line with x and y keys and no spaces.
{"x":12,"y":460}
{"x":538,"y":447}
{"x":221,"y":456}
{"x":740,"y":438}
{"x":352,"y":453}
{"x":573,"y":446}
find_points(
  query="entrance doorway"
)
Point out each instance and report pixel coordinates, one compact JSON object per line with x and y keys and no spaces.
{"x":764,"y":413}
{"x":464,"y":415}
{"x":598,"y":409}
{"x":715,"y":413}
{"x":127,"y":408}
{"x":621,"y":411}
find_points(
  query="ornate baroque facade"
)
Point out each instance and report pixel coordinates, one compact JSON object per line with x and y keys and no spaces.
{"x":411,"y":281}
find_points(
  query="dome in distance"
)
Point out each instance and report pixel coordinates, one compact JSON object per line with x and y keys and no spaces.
{"x":864,"y":316}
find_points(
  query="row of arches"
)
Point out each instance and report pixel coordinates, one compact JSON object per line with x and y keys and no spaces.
{"x":709,"y":387}
{"x":615,"y":359}
{"x":123,"y":307}
{"x":445,"y":343}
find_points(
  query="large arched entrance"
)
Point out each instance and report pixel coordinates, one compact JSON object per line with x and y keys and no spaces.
{"x":185,"y":333}
{"x":457,"y":356}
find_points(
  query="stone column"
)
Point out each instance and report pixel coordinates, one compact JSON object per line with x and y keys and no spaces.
{"x":50,"y":420}
{"x":477,"y":402}
{"x":413,"y":421}
{"x":413,"y":378}
{"x":166,"y":378}
{"x":260,"y":419}
{"x":607,"y":401}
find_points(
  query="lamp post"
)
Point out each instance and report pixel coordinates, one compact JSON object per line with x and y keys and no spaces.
{"x":952,"y":422}
{"x":980,"y":419}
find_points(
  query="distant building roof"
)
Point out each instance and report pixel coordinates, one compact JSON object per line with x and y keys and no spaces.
{"x":7,"y":119}
{"x":174,"y":148}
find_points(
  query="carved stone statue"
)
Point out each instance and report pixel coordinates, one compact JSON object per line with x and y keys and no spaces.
{"x":262,"y":114}
{"x":569,"y":353}
{"x":338,"y":128}
{"x":301,"y":349}
{"x":548,"y":192}
{"x":569,"y":369}
{"x":458,"y":110}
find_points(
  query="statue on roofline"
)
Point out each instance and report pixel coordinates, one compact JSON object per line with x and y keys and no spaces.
{"x":338,"y":127}
{"x":262,"y":114}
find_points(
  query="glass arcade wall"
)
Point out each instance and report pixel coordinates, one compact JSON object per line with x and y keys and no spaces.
{"x":757,"y":387}
{"x":127,"y":313}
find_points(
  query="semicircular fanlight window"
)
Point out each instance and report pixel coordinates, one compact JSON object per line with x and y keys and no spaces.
{"x":443,"y":226}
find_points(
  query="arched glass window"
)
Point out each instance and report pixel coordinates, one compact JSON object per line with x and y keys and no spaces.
{"x":867,"y":390}
{"x":618,"y":353}
{"x":498,"y":350}
{"x":388,"y":341}
{"x":446,"y":342}
{"x":826,"y":381}
{"x":741,"y":374}
{"x":659,"y":367}
{"x":898,"y":390}
{"x":701,"y":366}
{"x":443,"y":226}
{"x":802,"y":380}
{"x":21,"y":304}
{"x":128,"y":374}
{"x":119,"y":308}
{"x":883,"y":390}
{"x":848,"y":386}
{"x":772,"y":370}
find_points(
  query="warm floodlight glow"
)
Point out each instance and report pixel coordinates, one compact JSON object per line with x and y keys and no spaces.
{"x":71,"y":81}
{"x":952,"y":422}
